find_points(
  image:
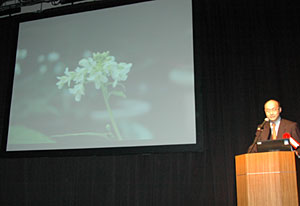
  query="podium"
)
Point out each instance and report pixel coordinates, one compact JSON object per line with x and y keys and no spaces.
{"x":268,"y":178}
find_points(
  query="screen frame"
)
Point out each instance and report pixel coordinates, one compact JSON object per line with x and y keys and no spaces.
{"x":84,"y":7}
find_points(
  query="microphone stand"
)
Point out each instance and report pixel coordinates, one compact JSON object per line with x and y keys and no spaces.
{"x":256,"y":139}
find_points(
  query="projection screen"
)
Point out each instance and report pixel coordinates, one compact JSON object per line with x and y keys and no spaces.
{"x":108,"y":78}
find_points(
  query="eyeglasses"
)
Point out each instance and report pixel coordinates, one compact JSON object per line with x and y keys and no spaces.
{"x":271,"y":110}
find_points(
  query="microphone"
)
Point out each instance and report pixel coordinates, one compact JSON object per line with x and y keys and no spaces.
{"x":258,"y":134}
{"x":261,"y":126}
{"x":293,"y":142}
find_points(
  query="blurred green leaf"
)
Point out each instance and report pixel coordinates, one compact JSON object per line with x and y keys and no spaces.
{"x":24,"y":135}
{"x":117,"y":93}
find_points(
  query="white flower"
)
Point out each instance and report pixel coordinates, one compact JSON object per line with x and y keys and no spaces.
{"x":108,"y":67}
{"x":79,"y":75}
{"x":67,"y":73}
{"x":64,"y":79}
{"x":100,"y":69}
{"x":78,"y":91}
{"x":87,"y":63}
{"x":98,"y":78}
{"x":120,"y":73}
{"x":61,"y":82}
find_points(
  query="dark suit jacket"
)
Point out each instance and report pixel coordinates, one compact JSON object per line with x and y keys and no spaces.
{"x":286,"y":126}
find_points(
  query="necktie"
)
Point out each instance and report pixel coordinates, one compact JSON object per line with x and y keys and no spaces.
{"x":273,"y":131}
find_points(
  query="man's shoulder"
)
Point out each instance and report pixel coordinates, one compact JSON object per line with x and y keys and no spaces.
{"x":287,"y":122}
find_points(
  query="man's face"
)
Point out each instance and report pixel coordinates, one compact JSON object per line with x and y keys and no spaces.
{"x":272,"y":110}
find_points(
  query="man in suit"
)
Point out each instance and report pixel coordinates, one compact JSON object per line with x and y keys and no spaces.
{"x":276,"y":127}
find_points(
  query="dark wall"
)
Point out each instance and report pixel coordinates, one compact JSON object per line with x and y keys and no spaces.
{"x":245,"y":53}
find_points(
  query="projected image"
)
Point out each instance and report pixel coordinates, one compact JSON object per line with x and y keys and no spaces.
{"x":99,"y":69}
{"x":115,"y":77}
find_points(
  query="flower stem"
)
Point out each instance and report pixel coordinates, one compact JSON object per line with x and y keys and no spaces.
{"x":112,"y":119}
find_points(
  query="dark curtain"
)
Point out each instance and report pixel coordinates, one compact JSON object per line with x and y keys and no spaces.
{"x":246,"y":52}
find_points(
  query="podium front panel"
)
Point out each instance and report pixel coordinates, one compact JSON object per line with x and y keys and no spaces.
{"x":267,"y":178}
